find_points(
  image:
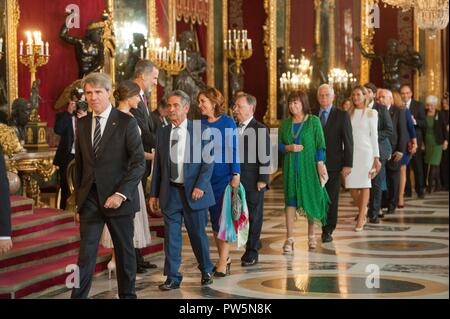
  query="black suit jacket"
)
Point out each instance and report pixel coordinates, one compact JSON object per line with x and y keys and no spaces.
{"x":253,"y":148}
{"x":338,"y":139}
{"x":119,"y":165}
{"x":64,"y":128}
{"x":400,"y":136}
{"x":155,"y":118}
{"x":5,"y":206}
{"x":385,"y":131}
{"x":417,"y":110}
{"x":146,"y":126}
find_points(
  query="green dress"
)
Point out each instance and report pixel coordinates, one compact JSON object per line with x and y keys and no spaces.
{"x":303,"y":183}
{"x":433,"y":151}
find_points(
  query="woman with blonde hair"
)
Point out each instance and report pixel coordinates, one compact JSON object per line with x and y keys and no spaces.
{"x":366,"y":163}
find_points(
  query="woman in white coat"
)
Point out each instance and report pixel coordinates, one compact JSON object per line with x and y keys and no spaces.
{"x":366,"y":154}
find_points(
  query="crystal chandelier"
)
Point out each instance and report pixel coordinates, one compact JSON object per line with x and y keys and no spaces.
{"x":431,"y":15}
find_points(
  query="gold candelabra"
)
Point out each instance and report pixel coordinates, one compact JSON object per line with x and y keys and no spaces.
{"x":173,"y":60}
{"x":238,"y":47}
{"x":298,"y":76}
{"x":36,"y":55}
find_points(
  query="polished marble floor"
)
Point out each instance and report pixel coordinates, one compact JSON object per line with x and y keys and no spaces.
{"x":405,"y":256}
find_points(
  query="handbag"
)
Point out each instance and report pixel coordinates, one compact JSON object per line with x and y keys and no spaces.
{"x":236,"y":204}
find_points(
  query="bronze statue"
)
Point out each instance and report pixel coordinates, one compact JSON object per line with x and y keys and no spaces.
{"x":392,"y":61}
{"x":190,"y":79}
{"x":21,"y":110}
{"x":134,"y":54}
{"x":89,"y":50}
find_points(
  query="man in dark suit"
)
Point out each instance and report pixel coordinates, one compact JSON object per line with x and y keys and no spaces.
{"x":5,"y":208}
{"x":65,"y":127}
{"x":145,"y":75}
{"x":109,"y":166}
{"x":384,"y":133}
{"x":398,"y":142}
{"x":255,"y":152}
{"x":181,"y":188}
{"x":337,"y":129}
{"x":417,"y":110}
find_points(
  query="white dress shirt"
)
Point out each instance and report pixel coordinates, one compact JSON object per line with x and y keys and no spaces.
{"x":242,"y":126}
{"x":181,"y":146}
{"x":408,"y":104}
{"x":103,"y":119}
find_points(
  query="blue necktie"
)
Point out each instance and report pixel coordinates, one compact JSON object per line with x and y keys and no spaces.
{"x":323,"y":118}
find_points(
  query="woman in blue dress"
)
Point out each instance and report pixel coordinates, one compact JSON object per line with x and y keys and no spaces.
{"x":411,"y":147}
{"x":226,"y":163}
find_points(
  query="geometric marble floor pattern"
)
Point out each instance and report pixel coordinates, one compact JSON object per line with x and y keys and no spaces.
{"x":405,"y":256}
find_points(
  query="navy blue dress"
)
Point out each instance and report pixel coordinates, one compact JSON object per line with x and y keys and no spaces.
{"x":226,"y":161}
{"x":411,"y":133}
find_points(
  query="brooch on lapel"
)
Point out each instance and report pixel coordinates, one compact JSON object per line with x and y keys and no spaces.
{"x":114,"y":123}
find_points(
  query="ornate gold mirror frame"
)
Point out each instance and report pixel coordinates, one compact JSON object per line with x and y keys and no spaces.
{"x":12,"y":22}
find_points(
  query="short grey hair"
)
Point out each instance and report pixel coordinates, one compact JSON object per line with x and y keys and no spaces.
{"x":432,"y":99}
{"x":389,"y":93}
{"x":143,"y":67}
{"x":251,"y":100}
{"x":98,"y":80}
{"x":185,"y":99}
{"x":326,"y":86}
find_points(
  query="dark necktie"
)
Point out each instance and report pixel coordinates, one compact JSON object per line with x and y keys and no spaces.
{"x":97,"y":135}
{"x":174,"y":153}
{"x":323,"y":119}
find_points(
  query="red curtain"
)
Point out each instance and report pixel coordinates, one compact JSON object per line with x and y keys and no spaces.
{"x":255,"y":68}
{"x":48,"y":16}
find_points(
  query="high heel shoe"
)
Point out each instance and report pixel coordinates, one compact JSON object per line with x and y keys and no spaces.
{"x":227,"y":270}
{"x":288,"y":247}
{"x":111,"y":267}
{"x":312,"y":243}
{"x":361,"y":228}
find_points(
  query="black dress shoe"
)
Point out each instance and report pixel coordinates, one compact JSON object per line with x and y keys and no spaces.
{"x":247,"y":263}
{"x":374,"y":220}
{"x":421,"y":196}
{"x":206,"y":279}
{"x":140,"y":270}
{"x":390,"y":211}
{"x":169,"y":285}
{"x":147,"y":265}
{"x":326,"y":237}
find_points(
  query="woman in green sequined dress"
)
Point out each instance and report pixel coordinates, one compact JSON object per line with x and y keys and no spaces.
{"x":301,"y":140}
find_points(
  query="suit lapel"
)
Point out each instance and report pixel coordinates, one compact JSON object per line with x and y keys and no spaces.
{"x":330,"y":117}
{"x":111,"y":124}
{"x":88,"y":133}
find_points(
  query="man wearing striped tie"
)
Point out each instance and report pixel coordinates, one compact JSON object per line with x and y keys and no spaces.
{"x":110,"y":163}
